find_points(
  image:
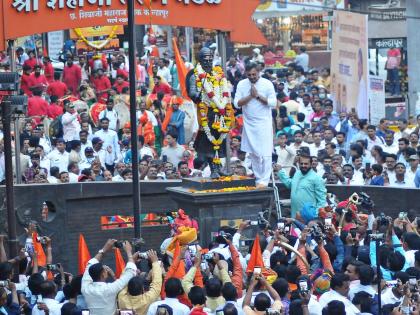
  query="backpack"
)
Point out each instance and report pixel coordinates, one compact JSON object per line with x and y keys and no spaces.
{"x":56,"y":128}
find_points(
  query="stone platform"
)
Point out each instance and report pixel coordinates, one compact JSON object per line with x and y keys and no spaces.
{"x":213,"y":210}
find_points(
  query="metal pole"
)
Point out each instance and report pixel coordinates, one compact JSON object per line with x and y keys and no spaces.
{"x":133,"y":118}
{"x":10,"y":204}
{"x":12,"y":57}
{"x":17,"y":151}
{"x":378,"y":276}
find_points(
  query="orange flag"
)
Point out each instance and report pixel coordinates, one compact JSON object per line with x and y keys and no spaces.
{"x":119,"y":263}
{"x":180,"y":271}
{"x":150,"y":73}
{"x":256,"y":259}
{"x":84,"y":255}
{"x":181,"y":69}
{"x":42,"y":259}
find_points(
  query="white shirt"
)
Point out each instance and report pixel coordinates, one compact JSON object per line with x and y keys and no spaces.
{"x":165,"y":74}
{"x":257,"y":133}
{"x":83,"y":146}
{"x":331,"y":295}
{"x":53,"y":306}
{"x":73,"y":178}
{"x":303,"y":61}
{"x":359,"y":288}
{"x":71,"y":126}
{"x":314,"y":307}
{"x":388,"y":297}
{"x":354,"y":181}
{"x":286,"y":156}
{"x":409,"y":174}
{"x":101,"y":297}
{"x":110,"y":138}
{"x":406,"y":183}
{"x":313,"y":149}
{"x":112,"y":115}
{"x":377,"y":141}
{"x":390,"y":149}
{"x":60,"y":160}
{"x":46,"y":144}
{"x":307,"y":110}
{"x":177,"y":307}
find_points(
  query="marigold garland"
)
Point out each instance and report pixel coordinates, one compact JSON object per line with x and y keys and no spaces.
{"x":231,"y":189}
{"x":215,"y":96}
{"x":91,"y":44}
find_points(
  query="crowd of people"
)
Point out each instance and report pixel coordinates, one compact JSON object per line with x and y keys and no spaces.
{"x":77,"y":127}
{"x":325,"y":264}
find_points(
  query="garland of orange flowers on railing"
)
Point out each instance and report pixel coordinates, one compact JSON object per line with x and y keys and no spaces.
{"x":215,"y":96}
{"x":105,"y":42}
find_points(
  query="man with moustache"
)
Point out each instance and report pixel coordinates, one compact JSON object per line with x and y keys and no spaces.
{"x":307,"y":188}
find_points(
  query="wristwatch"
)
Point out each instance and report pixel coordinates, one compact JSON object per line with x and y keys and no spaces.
{"x":101,"y":251}
{"x":258,"y":97}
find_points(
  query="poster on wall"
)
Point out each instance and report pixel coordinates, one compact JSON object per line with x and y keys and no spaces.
{"x":376,"y":99}
{"x":349,"y":62}
{"x":55,"y":44}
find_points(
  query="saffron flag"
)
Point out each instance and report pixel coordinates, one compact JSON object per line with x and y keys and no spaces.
{"x":150,"y":73}
{"x":84,"y":255}
{"x":181,"y":69}
{"x":119,"y":263}
{"x":256,"y":259}
{"x":42,"y":259}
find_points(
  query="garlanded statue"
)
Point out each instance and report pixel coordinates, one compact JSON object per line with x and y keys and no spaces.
{"x":208,"y":89}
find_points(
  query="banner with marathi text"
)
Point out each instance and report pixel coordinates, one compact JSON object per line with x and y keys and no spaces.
{"x":349,"y":63}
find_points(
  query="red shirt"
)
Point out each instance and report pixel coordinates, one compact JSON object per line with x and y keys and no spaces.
{"x":162,"y":87}
{"x":31,"y":62}
{"x":25,"y":82}
{"x":37,"y":80}
{"x":72,"y":76}
{"x":49,"y":71}
{"x":101,"y":84}
{"x":37,"y":106}
{"x":57,"y":88}
{"x":122,"y":72}
{"x":120,"y":87}
{"x":54,"y":111}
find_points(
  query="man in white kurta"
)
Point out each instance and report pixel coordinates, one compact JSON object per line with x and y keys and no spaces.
{"x":256,"y":96}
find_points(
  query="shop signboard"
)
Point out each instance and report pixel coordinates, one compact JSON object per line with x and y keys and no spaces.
{"x":276,"y":8}
{"x":388,"y":43}
{"x":234,"y":16}
{"x":349,"y":62}
{"x":392,"y":14}
{"x":376,"y":99}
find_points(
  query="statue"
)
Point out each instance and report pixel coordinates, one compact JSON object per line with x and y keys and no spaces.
{"x":208,"y":89}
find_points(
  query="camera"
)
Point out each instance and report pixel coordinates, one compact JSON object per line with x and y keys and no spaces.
{"x":272,"y":311}
{"x":4,"y":283}
{"x":328,"y":223}
{"x":254,"y":223}
{"x":53,"y":267}
{"x":402,"y":215}
{"x":303,"y":286}
{"x":41,"y":239}
{"x":317,"y":233}
{"x":119,"y":244}
{"x":207,"y":256}
{"x":143,"y":255}
{"x":193,"y":250}
{"x":383,"y":219}
{"x":203,"y":266}
{"x":379,"y":236}
{"x":365,"y":201}
{"x":280,"y":225}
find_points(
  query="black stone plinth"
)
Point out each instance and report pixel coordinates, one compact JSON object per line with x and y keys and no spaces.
{"x":213,"y":210}
{"x":208,"y":183}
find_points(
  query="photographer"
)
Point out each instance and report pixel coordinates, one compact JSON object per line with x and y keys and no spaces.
{"x":134,"y":296}
{"x":262,"y":302}
{"x":101,"y":296}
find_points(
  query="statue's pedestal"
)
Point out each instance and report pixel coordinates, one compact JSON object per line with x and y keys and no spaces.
{"x":215,"y":209}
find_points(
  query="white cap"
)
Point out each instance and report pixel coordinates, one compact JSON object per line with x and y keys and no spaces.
{"x":256,"y":51}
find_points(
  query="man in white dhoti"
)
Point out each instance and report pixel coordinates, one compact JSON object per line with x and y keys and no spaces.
{"x":256,"y":96}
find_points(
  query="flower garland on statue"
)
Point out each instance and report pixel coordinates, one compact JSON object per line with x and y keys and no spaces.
{"x":93,"y":44}
{"x":216,"y":97}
